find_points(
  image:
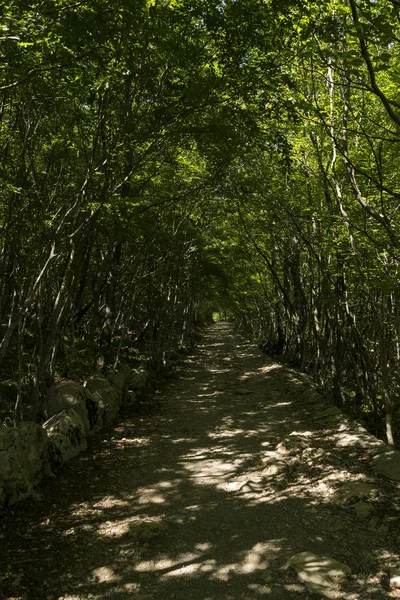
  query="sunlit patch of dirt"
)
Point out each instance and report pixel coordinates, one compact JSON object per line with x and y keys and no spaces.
{"x":236,"y":468}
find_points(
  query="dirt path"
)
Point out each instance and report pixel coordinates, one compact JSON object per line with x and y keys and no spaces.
{"x":208,"y":497}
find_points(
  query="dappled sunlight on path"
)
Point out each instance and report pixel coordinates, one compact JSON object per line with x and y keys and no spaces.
{"x":208,"y":497}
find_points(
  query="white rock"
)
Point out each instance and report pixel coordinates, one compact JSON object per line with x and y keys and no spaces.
{"x":71,"y":394}
{"x":107,"y":398}
{"x":66,"y":435}
{"x":320,"y":575}
{"x":294,"y":443}
{"x":395,"y":576}
{"x":274,"y":465}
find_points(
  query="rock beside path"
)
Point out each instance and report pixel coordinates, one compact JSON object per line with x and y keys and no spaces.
{"x":320,"y":575}
{"x":388,"y":464}
{"x":66,"y":435}
{"x":355,"y":489}
{"x":70,"y":394}
{"x":23,"y":461}
{"x":294,"y":444}
{"x":394,"y":575}
{"x":363,"y":509}
{"x":120,"y":383}
{"x":107,"y":398}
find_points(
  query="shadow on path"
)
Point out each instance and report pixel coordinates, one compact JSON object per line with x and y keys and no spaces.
{"x":208,"y":497}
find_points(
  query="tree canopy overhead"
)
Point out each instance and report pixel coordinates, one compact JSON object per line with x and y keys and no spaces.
{"x":163,"y":159}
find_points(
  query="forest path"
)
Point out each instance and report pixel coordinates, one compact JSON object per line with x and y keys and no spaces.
{"x":208,"y":497}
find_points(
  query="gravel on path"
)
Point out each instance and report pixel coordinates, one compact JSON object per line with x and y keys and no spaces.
{"x":238,"y":465}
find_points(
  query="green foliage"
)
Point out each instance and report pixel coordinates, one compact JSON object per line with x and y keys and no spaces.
{"x":161,"y":161}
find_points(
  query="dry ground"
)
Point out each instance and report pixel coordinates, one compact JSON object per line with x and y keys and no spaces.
{"x":207,"y":495}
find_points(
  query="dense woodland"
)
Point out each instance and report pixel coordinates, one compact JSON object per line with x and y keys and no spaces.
{"x":163,"y":159}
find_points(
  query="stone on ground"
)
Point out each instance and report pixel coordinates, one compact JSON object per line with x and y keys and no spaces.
{"x":394,"y":575}
{"x":363,"y":509}
{"x":105,"y":395}
{"x":145,"y":531}
{"x":273,"y":467}
{"x":355,"y":489}
{"x":294,"y":443}
{"x":71,"y":394}
{"x":120,"y":382}
{"x":388,"y":464}
{"x":23,"y":461}
{"x":321,"y":575}
{"x":66,"y":435}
